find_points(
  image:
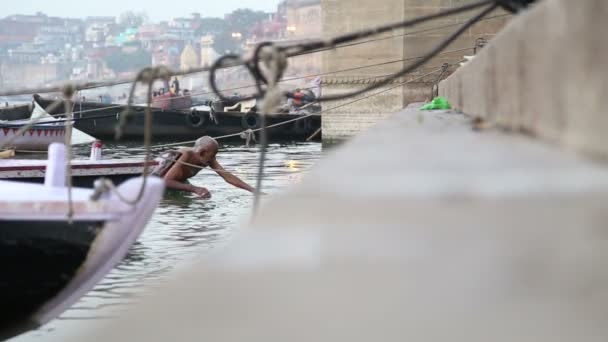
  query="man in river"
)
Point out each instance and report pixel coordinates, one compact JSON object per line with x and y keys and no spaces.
{"x":174,"y":168}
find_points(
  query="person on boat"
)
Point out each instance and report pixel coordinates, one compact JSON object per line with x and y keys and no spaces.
{"x":174,"y":168}
{"x":300,"y":98}
{"x":175,"y":86}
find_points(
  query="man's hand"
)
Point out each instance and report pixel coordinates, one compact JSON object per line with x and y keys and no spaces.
{"x":202,"y":192}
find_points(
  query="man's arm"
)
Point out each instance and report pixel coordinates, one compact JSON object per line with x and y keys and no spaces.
{"x":174,"y":178}
{"x":229,"y":177}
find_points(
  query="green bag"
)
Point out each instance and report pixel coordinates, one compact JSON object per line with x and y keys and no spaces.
{"x":438,"y":103}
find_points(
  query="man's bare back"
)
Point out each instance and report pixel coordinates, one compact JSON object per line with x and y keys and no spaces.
{"x":202,"y":155}
{"x":183,"y":171}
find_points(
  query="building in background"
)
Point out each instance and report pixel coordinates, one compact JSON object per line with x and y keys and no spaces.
{"x":208,"y":54}
{"x":303,"y":22}
{"x":166,"y":50}
{"x":294,"y":22}
{"x":185,"y":28}
{"x":303,"y":18}
{"x":189,"y":58}
{"x":101,"y":47}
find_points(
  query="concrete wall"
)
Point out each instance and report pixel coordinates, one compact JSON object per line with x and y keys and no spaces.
{"x":341,"y":16}
{"x":304,"y":22}
{"x":545,"y":75}
{"x":344,"y":122}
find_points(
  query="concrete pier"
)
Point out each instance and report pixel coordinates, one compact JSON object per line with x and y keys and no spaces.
{"x":420,"y":229}
{"x":340,"y":16}
{"x":545,"y":74}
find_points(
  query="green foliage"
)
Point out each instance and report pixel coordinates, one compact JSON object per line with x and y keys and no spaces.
{"x":132,"y":19}
{"x":123,"y":62}
{"x":213,"y":26}
{"x":243,"y":20}
{"x":224,"y":43}
{"x":239,"y":21}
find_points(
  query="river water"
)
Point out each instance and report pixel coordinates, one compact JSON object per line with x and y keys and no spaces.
{"x":183,"y":226}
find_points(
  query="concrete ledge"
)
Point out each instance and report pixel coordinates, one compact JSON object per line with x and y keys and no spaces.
{"x":417,"y":230}
{"x":544,"y":74}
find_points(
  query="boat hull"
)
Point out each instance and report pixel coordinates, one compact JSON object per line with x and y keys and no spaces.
{"x":182,"y":125}
{"x":38,"y":138}
{"x":20,"y":112}
{"x":39,"y":258}
{"x":49,"y":263}
{"x":84,"y":172}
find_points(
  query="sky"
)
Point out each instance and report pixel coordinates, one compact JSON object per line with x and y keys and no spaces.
{"x":156,"y":9}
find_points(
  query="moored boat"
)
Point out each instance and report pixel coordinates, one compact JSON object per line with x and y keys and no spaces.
{"x":54,"y":251}
{"x":38,"y":137}
{"x":18,"y":112}
{"x":84,"y":172}
{"x":100,"y":120}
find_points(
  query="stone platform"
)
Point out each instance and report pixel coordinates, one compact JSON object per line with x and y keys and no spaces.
{"x":420,"y":229}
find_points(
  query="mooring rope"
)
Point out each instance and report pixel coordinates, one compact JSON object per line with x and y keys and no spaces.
{"x":67,"y":94}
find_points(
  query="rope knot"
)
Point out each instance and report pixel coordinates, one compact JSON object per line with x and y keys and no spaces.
{"x":68,"y":91}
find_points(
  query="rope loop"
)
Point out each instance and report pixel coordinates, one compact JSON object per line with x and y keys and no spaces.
{"x":514,"y":6}
{"x":221,"y":63}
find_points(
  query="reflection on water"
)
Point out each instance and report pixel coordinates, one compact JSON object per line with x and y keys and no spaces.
{"x":182,"y":226}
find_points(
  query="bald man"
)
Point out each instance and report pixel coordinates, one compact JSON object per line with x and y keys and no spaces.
{"x":176,"y":174}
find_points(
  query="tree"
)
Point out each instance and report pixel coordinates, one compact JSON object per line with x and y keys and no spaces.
{"x":224,"y":43}
{"x":243,"y":20}
{"x":132,"y":19}
{"x":212,"y":26}
{"x":124,"y":62}
{"x":240,"y":21}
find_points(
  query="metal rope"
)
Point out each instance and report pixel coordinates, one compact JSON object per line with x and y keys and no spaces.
{"x":303,"y":117}
{"x":238,"y":88}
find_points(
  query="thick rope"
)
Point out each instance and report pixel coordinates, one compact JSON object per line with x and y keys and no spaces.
{"x":80,"y":112}
{"x":304,"y":117}
{"x":147,"y":76}
{"x":67,"y":94}
{"x":239,"y":134}
{"x":276,"y":63}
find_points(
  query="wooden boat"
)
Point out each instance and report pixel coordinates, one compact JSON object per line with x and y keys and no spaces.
{"x":38,"y":137}
{"x":99,"y":120}
{"x":50,"y":261}
{"x":18,"y":112}
{"x":171,"y":97}
{"x":46,"y":131}
{"x":84,"y":172}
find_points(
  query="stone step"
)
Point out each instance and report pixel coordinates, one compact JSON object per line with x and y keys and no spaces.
{"x":420,"y":229}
